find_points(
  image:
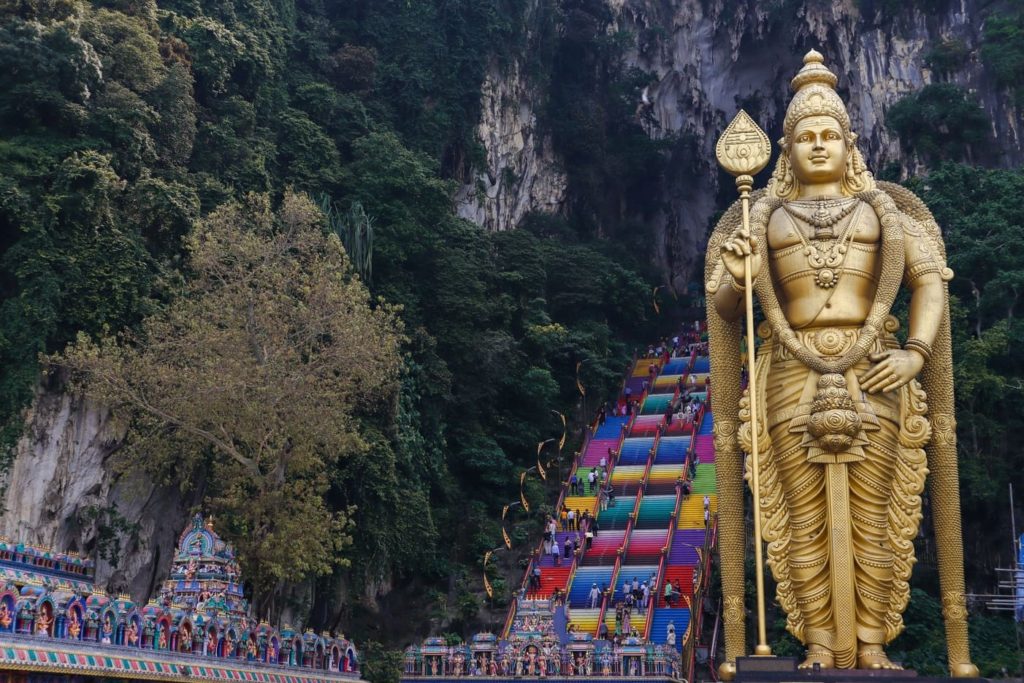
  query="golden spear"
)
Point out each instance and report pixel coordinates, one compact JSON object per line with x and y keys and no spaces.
{"x":744,"y":150}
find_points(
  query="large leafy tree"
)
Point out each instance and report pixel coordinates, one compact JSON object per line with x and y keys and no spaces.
{"x":250,"y":379}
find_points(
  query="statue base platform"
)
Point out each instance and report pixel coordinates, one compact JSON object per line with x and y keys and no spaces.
{"x":784,"y":670}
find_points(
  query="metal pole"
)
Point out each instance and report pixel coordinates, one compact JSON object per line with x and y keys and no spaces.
{"x":745,"y":183}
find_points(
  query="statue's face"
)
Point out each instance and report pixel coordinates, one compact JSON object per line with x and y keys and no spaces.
{"x":818,"y":150}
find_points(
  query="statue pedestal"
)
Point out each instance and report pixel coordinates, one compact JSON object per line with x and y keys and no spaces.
{"x":783,"y":670}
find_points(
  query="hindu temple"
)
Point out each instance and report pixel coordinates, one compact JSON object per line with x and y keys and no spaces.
{"x":55,"y":624}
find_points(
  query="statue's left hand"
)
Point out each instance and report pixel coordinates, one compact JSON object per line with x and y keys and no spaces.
{"x":891,"y":370}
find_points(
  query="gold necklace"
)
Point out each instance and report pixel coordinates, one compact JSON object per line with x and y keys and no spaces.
{"x":827,"y":257}
{"x":820,"y":216}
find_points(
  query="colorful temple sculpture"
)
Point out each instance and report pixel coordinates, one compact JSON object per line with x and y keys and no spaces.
{"x":54,"y":621}
{"x":644,"y":520}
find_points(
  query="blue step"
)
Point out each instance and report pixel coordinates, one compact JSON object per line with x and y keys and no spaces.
{"x":612,"y":428}
{"x":635,"y":451}
{"x":584,"y":579}
{"x":680,"y":618}
{"x":701,"y":364}
{"x":676,"y":366}
{"x":707,"y":424}
{"x":642,"y":572}
{"x":672,"y":450}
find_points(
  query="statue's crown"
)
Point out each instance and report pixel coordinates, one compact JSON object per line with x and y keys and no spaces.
{"x":815,"y":88}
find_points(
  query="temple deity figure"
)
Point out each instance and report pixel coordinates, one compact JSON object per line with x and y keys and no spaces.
{"x":850,"y":420}
{"x":5,"y":616}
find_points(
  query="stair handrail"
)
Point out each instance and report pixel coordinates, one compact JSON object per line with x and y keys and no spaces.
{"x":698,"y":595}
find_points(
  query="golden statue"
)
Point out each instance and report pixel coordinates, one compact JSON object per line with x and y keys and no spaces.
{"x":845,"y":431}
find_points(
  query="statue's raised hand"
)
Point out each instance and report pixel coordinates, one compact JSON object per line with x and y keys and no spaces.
{"x":734,"y":251}
{"x":891,"y":370}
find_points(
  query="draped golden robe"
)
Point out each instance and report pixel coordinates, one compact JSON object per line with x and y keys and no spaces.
{"x":842,"y":558}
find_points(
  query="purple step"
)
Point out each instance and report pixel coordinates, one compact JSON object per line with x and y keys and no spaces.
{"x":548,"y":561}
{"x":685,"y":543}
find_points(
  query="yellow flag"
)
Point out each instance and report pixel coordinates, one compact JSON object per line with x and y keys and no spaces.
{"x":654,"y":299}
{"x":561,"y":442}
{"x":522,"y":495}
{"x":487,"y":583}
{"x":504,"y":512}
{"x":508,"y":541}
{"x":579,"y":385}
{"x":540,"y":468}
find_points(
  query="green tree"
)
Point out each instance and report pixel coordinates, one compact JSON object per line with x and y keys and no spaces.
{"x":249,"y":377}
{"x":942,"y":121}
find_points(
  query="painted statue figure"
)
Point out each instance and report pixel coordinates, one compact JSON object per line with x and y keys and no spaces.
{"x":847,"y":432}
{"x":74,"y":624}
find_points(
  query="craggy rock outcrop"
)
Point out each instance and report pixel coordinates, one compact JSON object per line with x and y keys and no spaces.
{"x":708,"y":58}
{"x":522,"y":172}
{"x":63,"y":474}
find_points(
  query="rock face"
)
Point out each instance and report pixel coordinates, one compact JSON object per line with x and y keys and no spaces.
{"x":63,"y":475}
{"x":522,"y":172}
{"x":708,"y":58}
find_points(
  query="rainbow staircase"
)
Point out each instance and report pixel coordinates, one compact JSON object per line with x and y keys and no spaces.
{"x":646,"y":531}
{"x":689,"y":536}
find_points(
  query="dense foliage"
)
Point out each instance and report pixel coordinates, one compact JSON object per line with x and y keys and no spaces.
{"x":246,"y":385}
{"x":124,"y":125}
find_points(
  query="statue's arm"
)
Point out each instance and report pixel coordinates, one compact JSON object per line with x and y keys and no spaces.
{"x":729,"y":300}
{"x":927,"y":299}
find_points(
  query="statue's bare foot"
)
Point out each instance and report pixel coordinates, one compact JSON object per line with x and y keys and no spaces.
{"x":820,"y":656}
{"x":874,"y":657}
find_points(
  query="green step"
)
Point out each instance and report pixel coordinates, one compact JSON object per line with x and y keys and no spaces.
{"x":705,"y":480}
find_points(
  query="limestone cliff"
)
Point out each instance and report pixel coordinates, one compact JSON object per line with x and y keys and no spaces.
{"x":707,"y":58}
{"x":63,"y":477}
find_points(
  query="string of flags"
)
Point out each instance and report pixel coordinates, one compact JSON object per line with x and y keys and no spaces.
{"x":541,"y":467}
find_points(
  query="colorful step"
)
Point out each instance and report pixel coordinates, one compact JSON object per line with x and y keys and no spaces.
{"x":583,"y":580}
{"x":646,"y":425}
{"x":685,"y":544}
{"x":704,"y":482}
{"x":675,"y":366}
{"x":626,"y":479}
{"x":597,"y":449}
{"x":635,"y":451}
{"x":616,"y":515}
{"x":666,"y":384}
{"x":655,"y":511}
{"x":581,"y":503}
{"x":681,"y":577}
{"x":645,"y":546}
{"x":691,"y":511}
{"x":612,"y":428}
{"x":604,"y":548}
{"x":637,"y":620}
{"x":662,"y":479}
{"x":672,"y":450}
{"x":643,"y":366}
{"x":680,"y":618}
{"x":640,"y":572}
{"x":585,"y":620}
{"x":550,"y":579}
{"x":656,"y":404}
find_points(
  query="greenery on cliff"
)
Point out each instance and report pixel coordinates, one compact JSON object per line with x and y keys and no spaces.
{"x":129,"y":130}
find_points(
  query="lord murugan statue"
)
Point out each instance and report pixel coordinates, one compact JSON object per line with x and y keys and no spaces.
{"x":849,"y":420}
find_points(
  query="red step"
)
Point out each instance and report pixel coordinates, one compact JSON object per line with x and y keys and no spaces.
{"x":550,"y":579}
{"x":681,"y":577}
